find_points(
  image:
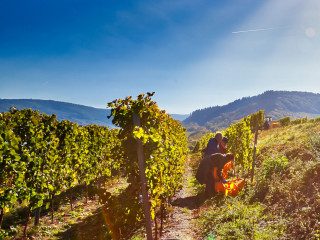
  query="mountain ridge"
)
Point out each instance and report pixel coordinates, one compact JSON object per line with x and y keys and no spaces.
{"x":81,"y":114}
{"x":275,"y":103}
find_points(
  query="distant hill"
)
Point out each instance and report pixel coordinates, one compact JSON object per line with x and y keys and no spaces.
{"x":180,"y":117}
{"x":276,"y":103}
{"x":80,"y":114}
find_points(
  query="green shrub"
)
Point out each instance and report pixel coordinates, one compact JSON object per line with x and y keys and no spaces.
{"x":284,"y":121}
{"x":274,"y":166}
{"x":258,"y":192}
{"x":313,"y":143}
{"x":299,"y":121}
{"x":296,"y":121}
{"x":196,"y":147}
{"x":304,"y":120}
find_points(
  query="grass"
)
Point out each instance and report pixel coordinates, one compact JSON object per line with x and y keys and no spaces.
{"x":284,"y":201}
{"x":235,"y":219}
{"x":192,"y":182}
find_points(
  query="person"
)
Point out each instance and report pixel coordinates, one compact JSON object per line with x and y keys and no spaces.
{"x":223,"y":145}
{"x":223,"y":149}
{"x":213,"y":144}
{"x":209,"y":171}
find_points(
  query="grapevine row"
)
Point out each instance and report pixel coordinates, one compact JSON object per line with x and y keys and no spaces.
{"x":240,"y":137}
{"x":41,"y":156}
{"x":164,"y":145}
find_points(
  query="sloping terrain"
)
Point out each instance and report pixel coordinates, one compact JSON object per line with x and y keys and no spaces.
{"x":283,"y":202}
{"x":276,"y":103}
{"x":80,"y":114}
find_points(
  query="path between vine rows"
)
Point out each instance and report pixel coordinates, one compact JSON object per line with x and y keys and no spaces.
{"x":186,"y":207}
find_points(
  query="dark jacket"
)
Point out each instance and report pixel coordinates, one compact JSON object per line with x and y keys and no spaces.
{"x":204,"y":172}
{"x":212,"y":147}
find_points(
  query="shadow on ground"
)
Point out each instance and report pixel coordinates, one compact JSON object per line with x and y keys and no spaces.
{"x":112,"y":221}
{"x":92,"y":227}
{"x":192,"y":202}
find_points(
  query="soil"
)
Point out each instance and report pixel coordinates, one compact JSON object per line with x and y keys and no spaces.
{"x":186,"y":208}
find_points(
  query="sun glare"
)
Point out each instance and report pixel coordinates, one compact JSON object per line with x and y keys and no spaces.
{"x":310,"y":32}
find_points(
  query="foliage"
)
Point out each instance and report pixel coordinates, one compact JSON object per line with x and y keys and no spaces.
{"x":271,"y":166}
{"x":237,"y":220}
{"x":240,"y":138}
{"x":284,"y":121}
{"x":288,"y":180}
{"x":315,"y":119}
{"x":202,"y":142}
{"x":41,"y":156}
{"x":164,"y":143}
{"x":256,"y":119}
{"x":299,"y":121}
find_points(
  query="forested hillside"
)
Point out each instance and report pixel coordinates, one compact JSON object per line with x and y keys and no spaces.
{"x":80,"y":114}
{"x":275,"y":103}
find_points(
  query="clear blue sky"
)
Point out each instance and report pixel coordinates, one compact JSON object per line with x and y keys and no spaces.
{"x":192,"y":53}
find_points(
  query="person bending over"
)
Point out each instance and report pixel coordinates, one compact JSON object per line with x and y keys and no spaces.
{"x":210,"y":171}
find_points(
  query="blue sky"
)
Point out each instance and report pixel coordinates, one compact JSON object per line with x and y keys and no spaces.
{"x":192,"y":53}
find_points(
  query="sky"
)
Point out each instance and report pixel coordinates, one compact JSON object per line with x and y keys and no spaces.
{"x":192,"y":53}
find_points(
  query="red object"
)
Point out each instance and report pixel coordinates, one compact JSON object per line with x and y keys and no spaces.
{"x":226,"y":168}
{"x":218,"y":185}
{"x":234,"y":187}
{"x":222,"y":148}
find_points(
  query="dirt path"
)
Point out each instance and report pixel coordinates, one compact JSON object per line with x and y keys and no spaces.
{"x":186,"y":208}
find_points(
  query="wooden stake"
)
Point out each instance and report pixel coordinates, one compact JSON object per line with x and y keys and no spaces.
{"x":1,"y":216}
{"x":86,"y":193}
{"x":70,"y":197}
{"x":254,"y":152}
{"x":156,"y":228}
{"x":26,"y":226}
{"x":234,"y":161}
{"x":161,"y":223}
{"x":143,"y":181}
{"x":37,"y":216}
{"x":52,"y":208}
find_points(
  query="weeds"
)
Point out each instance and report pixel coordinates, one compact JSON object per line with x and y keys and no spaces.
{"x":237,"y":220}
{"x":284,"y":201}
{"x":273,"y":166}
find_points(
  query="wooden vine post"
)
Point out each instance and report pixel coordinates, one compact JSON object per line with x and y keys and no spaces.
{"x":37,"y":216}
{"x":234,"y":161}
{"x":143,"y":181}
{"x":254,"y":151}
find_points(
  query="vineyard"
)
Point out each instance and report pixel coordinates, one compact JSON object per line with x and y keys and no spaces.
{"x":137,"y":181}
{"x":283,"y":200}
{"x":42,"y":157}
